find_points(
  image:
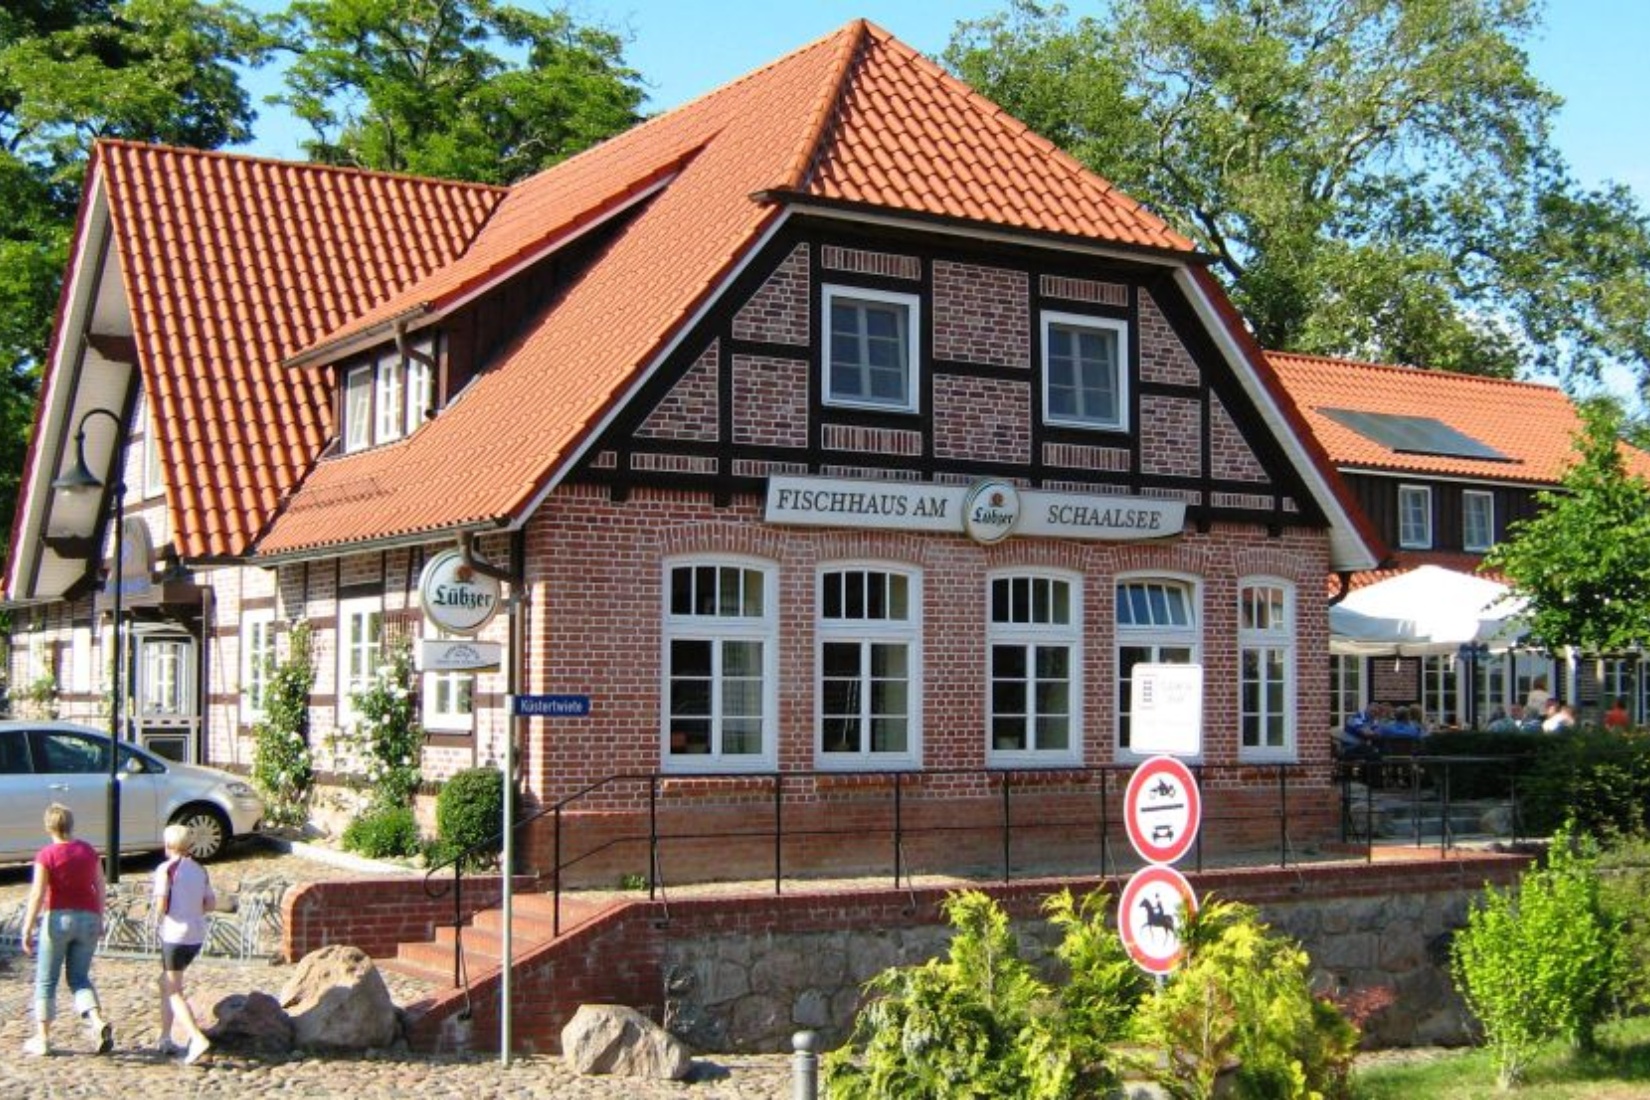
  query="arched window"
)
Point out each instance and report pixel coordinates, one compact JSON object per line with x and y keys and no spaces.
{"x":720,"y":669}
{"x":1034,"y":659}
{"x":1157,"y":623}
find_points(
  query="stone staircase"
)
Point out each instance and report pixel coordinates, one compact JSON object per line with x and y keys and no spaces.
{"x":1397,"y":816}
{"x":483,"y":938}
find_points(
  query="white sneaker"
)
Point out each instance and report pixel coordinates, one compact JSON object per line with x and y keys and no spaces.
{"x":197,"y":1047}
{"x":35,"y":1047}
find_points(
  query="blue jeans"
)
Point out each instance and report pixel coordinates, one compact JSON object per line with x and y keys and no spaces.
{"x":68,"y":940}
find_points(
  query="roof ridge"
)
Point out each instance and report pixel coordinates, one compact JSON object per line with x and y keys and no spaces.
{"x":1398,"y":368}
{"x":305,"y":165}
{"x":853,"y":36}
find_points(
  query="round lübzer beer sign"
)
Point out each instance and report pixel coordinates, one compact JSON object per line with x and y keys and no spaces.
{"x":456,"y":597}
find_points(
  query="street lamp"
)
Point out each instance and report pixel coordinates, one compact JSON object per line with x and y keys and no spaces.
{"x":82,"y":480}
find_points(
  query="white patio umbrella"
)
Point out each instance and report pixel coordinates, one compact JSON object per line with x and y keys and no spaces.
{"x":1427,"y":610}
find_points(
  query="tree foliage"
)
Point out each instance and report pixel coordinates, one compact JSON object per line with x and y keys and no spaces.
{"x":460,"y":89}
{"x":282,"y":767}
{"x":1582,"y":562}
{"x":1371,"y":177}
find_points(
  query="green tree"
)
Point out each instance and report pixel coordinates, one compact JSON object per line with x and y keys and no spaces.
{"x":1371,"y":177}
{"x":461,"y":89}
{"x":72,"y":71}
{"x":1582,"y":562}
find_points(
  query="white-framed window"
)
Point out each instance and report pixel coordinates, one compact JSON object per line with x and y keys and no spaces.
{"x":1034,"y":668}
{"x":1477,"y":520}
{"x":869,"y":667}
{"x":1414,"y":517}
{"x":360,"y":649}
{"x":1157,"y":623}
{"x":420,"y":393}
{"x":358,"y":408}
{"x":1346,"y":688}
{"x":449,"y":699}
{"x":1440,"y":699}
{"x":1266,"y":664}
{"x":870,"y":348}
{"x":389,"y":400}
{"x":1085,"y":371}
{"x":720,"y":665}
{"x":257,"y":660}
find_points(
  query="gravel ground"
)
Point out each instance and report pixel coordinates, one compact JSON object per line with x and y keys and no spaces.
{"x":127,"y":988}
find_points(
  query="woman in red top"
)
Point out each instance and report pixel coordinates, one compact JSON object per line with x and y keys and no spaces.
{"x":67,"y":899}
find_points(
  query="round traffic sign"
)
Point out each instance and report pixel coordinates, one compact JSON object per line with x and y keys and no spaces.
{"x":1150,"y":915}
{"x":1162,"y":809}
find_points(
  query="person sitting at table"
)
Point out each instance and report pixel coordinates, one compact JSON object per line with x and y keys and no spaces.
{"x":1503,"y":722}
{"x":1617,"y":718}
{"x":1559,"y":718}
{"x":1404,"y":723}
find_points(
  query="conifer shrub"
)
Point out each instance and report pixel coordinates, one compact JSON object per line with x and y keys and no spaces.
{"x":469,"y":811}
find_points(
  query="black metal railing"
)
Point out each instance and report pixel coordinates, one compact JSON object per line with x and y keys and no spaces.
{"x":1424,"y":786}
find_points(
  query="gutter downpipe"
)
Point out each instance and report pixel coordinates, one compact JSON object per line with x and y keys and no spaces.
{"x":513,"y":577}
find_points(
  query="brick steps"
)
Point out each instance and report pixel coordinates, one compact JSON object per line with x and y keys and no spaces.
{"x":533,"y":924}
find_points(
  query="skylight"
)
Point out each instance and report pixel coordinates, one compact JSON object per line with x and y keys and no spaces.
{"x":1421,"y":435}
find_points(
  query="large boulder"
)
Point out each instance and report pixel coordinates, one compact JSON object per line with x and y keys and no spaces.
{"x":338,"y":1001}
{"x":251,"y":1023}
{"x":621,"y":1041}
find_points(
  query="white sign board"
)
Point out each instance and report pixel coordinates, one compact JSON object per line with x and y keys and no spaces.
{"x":1166,"y":710}
{"x":456,"y":597}
{"x":458,"y":655}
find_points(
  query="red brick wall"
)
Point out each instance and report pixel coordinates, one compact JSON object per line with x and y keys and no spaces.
{"x":770,"y":401}
{"x":689,"y":410}
{"x":1169,"y":430}
{"x":981,"y":315}
{"x":982,"y":419}
{"x":1163,"y":358}
{"x":378,"y":915}
{"x":779,"y":312}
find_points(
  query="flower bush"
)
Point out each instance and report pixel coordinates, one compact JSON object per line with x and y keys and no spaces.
{"x":282,"y":767}
{"x":387,"y":731}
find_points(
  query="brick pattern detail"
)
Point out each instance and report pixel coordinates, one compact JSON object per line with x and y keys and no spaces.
{"x":1169,"y":430}
{"x":1055,"y":485}
{"x":847,"y":437}
{"x":1162,"y":492}
{"x":1396,"y":680}
{"x":780,"y":312}
{"x":1230,"y":455}
{"x":770,"y":401}
{"x":861,"y":262}
{"x":1163,"y":358}
{"x":866,"y":473}
{"x":981,"y":315}
{"x":1085,"y":290}
{"x":1252,"y":501}
{"x":607,"y":460}
{"x":1076,"y":457}
{"x":689,"y":410}
{"x":756,"y":467}
{"x":673,"y":464}
{"x":983,"y":419}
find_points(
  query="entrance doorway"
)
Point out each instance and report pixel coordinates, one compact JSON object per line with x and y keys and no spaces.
{"x":166,"y":702}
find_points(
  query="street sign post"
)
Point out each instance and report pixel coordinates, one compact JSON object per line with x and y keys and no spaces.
{"x":1162,"y":809}
{"x":1151,"y":913}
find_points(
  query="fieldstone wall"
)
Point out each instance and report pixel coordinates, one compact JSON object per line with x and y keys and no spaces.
{"x":1377,"y":936}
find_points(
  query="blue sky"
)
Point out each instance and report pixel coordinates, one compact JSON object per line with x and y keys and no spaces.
{"x":1593,"y":53}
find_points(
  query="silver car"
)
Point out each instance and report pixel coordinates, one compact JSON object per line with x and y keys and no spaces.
{"x":46,"y":762}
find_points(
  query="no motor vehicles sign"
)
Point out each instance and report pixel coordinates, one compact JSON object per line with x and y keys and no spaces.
{"x":1162,"y":809}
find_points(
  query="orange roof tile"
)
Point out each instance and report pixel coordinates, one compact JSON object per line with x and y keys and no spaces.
{"x":1531,"y":424}
{"x":854,"y":117}
{"x":232,"y":263}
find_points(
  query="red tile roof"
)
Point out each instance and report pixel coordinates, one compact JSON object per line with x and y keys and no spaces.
{"x":856,"y":117}
{"x":1532,"y":425}
{"x":232,"y":263}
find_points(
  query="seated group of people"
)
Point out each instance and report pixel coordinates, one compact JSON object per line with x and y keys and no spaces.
{"x":1365,"y":729}
{"x":1551,"y":717}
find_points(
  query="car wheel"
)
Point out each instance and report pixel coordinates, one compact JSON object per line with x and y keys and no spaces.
{"x":209,"y":830}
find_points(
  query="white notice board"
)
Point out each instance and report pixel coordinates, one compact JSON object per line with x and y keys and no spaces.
{"x":1166,"y":710}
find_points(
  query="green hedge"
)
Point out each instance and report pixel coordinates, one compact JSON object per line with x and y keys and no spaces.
{"x":1601,"y":778}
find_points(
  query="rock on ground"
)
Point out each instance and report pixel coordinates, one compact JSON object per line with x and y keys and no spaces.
{"x":338,"y":1001}
{"x":617,"y":1040}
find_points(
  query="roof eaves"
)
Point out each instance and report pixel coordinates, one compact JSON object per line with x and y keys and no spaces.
{"x":330,"y":352}
{"x":328,"y":550}
{"x":872,"y":212}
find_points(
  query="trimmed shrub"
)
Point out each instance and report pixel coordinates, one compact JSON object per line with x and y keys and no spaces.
{"x":383,"y":831}
{"x":1598,"y":778}
{"x":469,"y":811}
{"x":1624,"y":884}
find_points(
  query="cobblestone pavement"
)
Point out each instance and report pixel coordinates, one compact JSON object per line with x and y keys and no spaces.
{"x":127,"y":989}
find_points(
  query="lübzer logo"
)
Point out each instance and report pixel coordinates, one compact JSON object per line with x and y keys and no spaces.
{"x":456,"y":598}
{"x":990,"y":511}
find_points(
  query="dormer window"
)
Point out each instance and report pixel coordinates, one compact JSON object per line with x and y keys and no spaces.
{"x":870,"y":348}
{"x":387,"y":398}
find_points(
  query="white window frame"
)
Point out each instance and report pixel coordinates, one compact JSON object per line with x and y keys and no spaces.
{"x":258,"y":657}
{"x":718,"y":629}
{"x":1156,"y":637}
{"x":358,"y":408}
{"x":1272,"y":642}
{"x":437,"y":714}
{"x":1408,"y":538}
{"x":154,"y":476}
{"x":1486,"y":502}
{"x":1120,"y":329}
{"x":869,"y":632}
{"x":1441,"y":689}
{"x":389,"y":401}
{"x":420,"y":393}
{"x":912,"y":305}
{"x":1346,"y":687}
{"x":1028,"y":633}
{"x":369,"y":650}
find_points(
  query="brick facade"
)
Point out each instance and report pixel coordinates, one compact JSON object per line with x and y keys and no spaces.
{"x":981,"y":315}
{"x":689,"y":410}
{"x":779,"y":312}
{"x":770,"y":401}
{"x":982,"y":419}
